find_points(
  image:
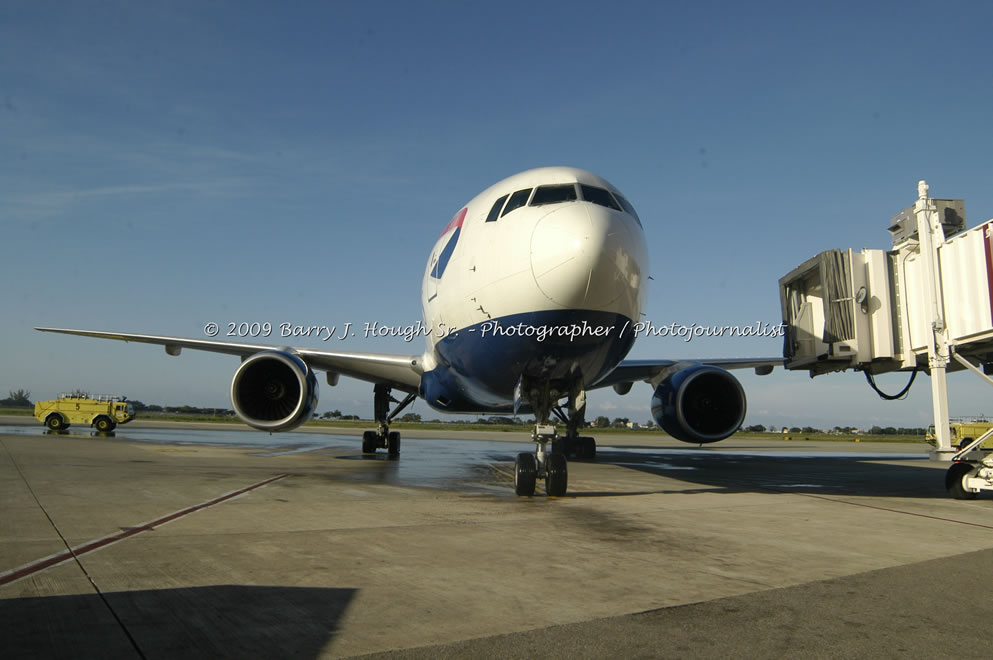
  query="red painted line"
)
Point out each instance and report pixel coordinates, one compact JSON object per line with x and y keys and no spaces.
{"x":456,"y":221}
{"x":29,"y":569}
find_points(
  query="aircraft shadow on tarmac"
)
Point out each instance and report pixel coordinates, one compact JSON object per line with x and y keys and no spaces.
{"x":224,"y":621}
{"x":845,"y":474}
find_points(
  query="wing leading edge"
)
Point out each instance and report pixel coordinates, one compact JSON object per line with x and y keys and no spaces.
{"x":654,"y":371}
{"x":402,"y":372}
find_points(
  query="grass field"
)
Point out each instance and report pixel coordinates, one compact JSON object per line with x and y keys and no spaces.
{"x":512,"y":428}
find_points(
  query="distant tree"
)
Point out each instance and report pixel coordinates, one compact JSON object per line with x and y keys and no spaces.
{"x":601,"y":422}
{"x":79,"y":393}
{"x":809,"y":429}
{"x":795,"y":429}
{"x":18,"y":399}
{"x":621,"y":421}
{"x":138,"y":406}
{"x":411,"y":417}
{"x":755,"y":428}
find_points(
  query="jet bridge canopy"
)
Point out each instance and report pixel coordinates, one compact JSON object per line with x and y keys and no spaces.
{"x":866,"y":310}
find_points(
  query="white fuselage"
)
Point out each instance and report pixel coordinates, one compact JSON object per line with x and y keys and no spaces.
{"x":567,"y":248}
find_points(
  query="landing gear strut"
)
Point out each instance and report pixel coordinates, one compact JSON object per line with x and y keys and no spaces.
{"x":383,"y":437}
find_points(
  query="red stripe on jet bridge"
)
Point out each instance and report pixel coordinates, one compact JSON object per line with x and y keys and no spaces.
{"x":455,"y":221}
{"x":988,"y":244}
{"x":40,"y":565}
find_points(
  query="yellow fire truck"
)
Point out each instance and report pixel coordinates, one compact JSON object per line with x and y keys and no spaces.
{"x":102,"y":412}
{"x":964,"y":432}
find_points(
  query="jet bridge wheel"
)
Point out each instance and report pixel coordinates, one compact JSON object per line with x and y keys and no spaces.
{"x":955,"y":481}
{"x":525,"y":474}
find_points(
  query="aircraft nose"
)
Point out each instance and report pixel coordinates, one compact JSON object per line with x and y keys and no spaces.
{"x":582,"y":258}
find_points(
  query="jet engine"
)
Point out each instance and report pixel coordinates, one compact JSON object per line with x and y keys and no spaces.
{"x":699,"y":404}
{"x":274,"y":391}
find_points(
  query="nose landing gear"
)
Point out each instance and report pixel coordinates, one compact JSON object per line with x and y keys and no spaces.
{"x":550,"y":465}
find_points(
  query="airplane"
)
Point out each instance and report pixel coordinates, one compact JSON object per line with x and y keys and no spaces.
{"x":530,"y":296}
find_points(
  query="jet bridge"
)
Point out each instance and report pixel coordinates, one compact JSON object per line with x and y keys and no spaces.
{"x":924,"y":305}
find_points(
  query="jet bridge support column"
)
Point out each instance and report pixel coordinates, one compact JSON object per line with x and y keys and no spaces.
{"x":931,"y":235}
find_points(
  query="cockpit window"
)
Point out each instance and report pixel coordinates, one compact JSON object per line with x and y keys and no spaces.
{"x":627,"y":207}
{"x":554,"y":194}
{"x":599,"y":196}
{"x":495,"y":211}
{"x":516,"y":201}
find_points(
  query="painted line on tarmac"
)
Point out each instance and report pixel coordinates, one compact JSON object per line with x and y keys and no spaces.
{"x":6,"y":577}
{"x":836,"y":500}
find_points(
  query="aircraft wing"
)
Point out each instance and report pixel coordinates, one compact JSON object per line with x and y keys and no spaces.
{"x":654,"y":371}
{"x":402,"y":372}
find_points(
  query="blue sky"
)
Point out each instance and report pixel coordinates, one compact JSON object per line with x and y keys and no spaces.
{"x":163,"y":165}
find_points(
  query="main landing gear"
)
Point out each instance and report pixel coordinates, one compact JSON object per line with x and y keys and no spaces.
{"x":572,"y":444}
{"x":383,"y":437}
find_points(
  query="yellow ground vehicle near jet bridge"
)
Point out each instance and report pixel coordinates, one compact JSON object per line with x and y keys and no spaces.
{"x":102,"y":412}
{"x":964,"y":432}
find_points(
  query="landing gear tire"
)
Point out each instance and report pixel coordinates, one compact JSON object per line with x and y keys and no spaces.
{"x":55,"y":422}
{"x":393,"y":443}
{"x":369,"y":442}
{"x":587,"y":448}
{"x":556,"y":475}
{"x":104,"y":424}
{"x":955,"y":481}
{"x":525,"y":474}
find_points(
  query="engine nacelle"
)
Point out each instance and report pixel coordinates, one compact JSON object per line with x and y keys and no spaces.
{"x":699,"y":404}
{"x":274,"y":391}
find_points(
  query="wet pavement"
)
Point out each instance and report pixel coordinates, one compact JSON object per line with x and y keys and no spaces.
{"x":217,"y":542}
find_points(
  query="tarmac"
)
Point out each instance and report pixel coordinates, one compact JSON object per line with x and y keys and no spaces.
{"x":302,"y":547}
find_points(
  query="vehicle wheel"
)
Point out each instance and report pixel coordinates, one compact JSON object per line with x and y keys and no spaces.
{"x":556,"y":475}
{"x":369,"y":442}
{"x":954,"y":481}
{"x":104,"y":424}
{"x":587,"y":448}
{"x":55,"y":422}
{"x":393,"y":443}
{"x":525,"y":474}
